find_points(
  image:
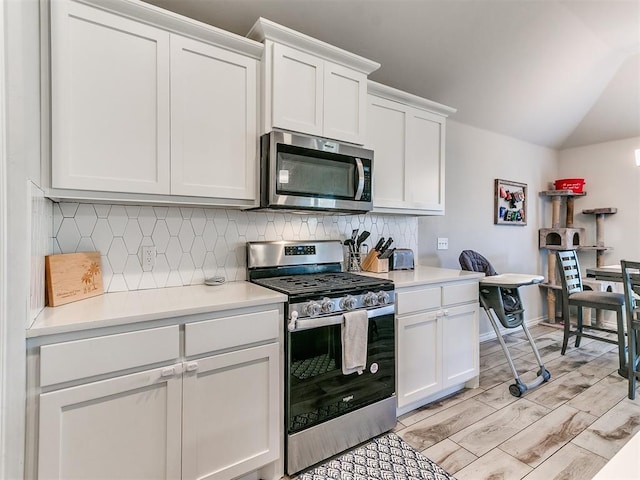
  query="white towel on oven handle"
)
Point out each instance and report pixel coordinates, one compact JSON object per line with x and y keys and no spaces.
{"x":355,"y":329}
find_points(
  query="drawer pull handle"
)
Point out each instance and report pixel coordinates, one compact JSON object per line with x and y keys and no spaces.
{"x":168,"y":372}
{"x":192,"y":367}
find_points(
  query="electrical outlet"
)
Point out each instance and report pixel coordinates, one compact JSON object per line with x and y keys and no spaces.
{"x":443,"y":243}
{"x":148,"y":258}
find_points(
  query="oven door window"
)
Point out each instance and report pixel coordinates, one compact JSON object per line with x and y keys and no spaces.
{"x":324,"y":175}
{"x":318,"y":391}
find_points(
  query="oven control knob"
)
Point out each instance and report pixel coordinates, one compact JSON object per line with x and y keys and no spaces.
{"x":370,"y":299}
{"x":383,"y":297}
{"x":348,"y":303}
{"x":326,"y":305}
{"x":311,"y":308}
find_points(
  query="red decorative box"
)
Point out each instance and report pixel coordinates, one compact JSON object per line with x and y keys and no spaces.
{"x":574,"y":184}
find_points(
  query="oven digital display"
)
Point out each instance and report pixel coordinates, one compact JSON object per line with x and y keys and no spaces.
{"x":300,"y":250}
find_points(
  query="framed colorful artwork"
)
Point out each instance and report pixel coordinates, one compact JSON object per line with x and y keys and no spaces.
{"x":510,"y":205}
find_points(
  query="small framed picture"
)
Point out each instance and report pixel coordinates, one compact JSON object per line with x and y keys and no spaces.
{"x":510,"y":206}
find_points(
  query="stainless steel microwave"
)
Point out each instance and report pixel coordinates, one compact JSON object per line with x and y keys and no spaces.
{"x":301,"y":172}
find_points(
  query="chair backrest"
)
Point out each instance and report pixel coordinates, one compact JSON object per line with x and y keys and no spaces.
{"x":472,"y":261}
{"x":569,"y":268}
{"x":631,"y":282}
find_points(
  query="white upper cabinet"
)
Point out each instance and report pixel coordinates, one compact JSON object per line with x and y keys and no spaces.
{"x":310,"y":86}
{"x":213,"y":130}
{"x":110,"y":101}
{"x":407,"y":135}
{"x":297,"y":93}
{"x":345,"y":104}
{"x":139,"y":108}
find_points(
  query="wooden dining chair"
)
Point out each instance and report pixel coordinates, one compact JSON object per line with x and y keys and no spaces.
{"x":631,"y":281}
{"x":573,"y":294}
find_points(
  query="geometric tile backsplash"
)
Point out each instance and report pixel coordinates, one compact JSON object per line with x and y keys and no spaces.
{"x":193,"y":243}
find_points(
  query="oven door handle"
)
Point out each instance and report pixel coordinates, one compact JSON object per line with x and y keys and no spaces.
{"x":296,"y":325}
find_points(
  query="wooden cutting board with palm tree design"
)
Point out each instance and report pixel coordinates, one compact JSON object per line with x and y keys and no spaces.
{"x":72,"y":276}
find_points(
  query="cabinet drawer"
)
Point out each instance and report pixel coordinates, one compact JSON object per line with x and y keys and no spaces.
{"x":459,"y":293}
{"x":229,"y":332}
{"x":63,"y":362}
{"x":416,"y":300}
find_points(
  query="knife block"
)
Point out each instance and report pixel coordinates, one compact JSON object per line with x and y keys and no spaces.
{"x":372,"y":263}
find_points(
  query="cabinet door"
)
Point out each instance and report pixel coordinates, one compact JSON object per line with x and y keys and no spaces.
{"x":419,"y":356}
{"x":110,"y":101}
{"x":297,"y":102}
{"x":386,"y":134}
{"x":345,"y":104}
{"x":460,"y":344}
{"x":231,"y":413}
{"x":424,"y":174}
{"x":409,"y":157}
{"x":122,"y":428}
{"x":214,"y":137}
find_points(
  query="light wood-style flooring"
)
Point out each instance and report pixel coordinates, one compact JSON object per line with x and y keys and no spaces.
{"x":567,"y":428}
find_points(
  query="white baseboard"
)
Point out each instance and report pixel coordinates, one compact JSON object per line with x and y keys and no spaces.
{"x":490,"y":335}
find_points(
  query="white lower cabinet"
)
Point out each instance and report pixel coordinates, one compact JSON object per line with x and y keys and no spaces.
{"x":230,"y":419}
{"x":123,"y":427}
{"x":210,"y":412}
{"x":437,"y":341}
{"x":419,"y":357}
{"x":460,"y":344}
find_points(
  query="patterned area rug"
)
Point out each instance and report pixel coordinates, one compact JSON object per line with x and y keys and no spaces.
{"x":386,"y":457}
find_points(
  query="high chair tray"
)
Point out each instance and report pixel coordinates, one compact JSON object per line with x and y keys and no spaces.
{"x":511,"y":280}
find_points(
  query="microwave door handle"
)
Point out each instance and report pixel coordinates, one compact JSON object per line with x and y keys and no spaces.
{"x":360,"y":188}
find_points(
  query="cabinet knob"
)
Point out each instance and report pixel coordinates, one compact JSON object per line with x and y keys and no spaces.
{"x":192,"y":367}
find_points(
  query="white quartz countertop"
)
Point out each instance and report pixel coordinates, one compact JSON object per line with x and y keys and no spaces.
{"x":425,"y":275}
{"x":112,"y":309}
{"x":121,"y":308}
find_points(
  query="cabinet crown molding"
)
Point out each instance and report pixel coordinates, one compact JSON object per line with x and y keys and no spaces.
{"x":390,"y":93}
{"x":265,"y":29}
{"x":175,"y":23}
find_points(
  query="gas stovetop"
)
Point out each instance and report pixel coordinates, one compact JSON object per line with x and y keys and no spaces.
{"x":321,"y":283}
{"x":309,"y":272}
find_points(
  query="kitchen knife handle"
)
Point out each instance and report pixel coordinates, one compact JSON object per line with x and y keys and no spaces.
{"x":386,"y":245}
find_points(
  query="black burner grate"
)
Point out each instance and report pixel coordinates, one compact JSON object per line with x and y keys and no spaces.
{"x":319,"y":283}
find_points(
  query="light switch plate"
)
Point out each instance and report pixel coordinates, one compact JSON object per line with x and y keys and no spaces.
{"x":443,"y":243}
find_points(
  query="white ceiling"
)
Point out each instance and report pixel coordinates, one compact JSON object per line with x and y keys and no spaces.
{"x":550,"y":72}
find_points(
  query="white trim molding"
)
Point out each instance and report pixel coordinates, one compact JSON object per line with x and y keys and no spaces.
{"x":3,"y":246}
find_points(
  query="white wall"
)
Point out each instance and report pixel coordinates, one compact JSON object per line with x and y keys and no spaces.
{"x":4,"y":372}
{"x":22,"y":135}
{"x":612,"y":180}
{"x":474,"y":159}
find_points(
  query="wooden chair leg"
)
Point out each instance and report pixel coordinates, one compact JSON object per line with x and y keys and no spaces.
{"x":579,"y":327}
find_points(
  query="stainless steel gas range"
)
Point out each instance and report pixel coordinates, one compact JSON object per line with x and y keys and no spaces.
{"x":327,"y":411}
